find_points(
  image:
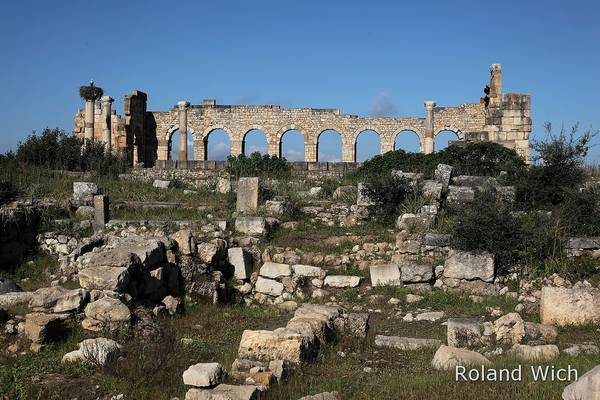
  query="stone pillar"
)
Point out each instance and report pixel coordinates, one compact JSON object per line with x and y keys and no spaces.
{"x":101,"y":215}
{"x":89,"y":120}
{"x":273,"y":148}
{"x":183,"y":107}
{"x":348,"y":152}
{"x":237,"y":147}
{"x":199,"y":150}
{"x":428,"y":139}
{"x":495,"y":85}
{"x":386,"y":145}
{"x":106,"y":119}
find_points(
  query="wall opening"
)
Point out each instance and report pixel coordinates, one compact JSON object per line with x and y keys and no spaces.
{"x":291,"y":146}
{"x":367,"y":145}
{"x":408,"y":141}
{"x":174,"y":146}
{"x":255,"y":141}
{"x":329,"y":146}
{"x":217,"y":145}
{"x":443,"y":139}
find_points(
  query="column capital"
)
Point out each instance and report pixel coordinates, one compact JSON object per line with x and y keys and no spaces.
{"x":182,"y":105}
{"x":107,"y":99}
{"x":429,"y":105}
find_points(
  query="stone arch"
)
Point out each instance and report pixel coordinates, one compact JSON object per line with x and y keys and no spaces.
{"x":280,"y":135}
{"x":459,"y":135}
{"x":416,"y":133}
{"x":168,"y":139}
{"x":458,"y":132}
{"x":355,"y":143}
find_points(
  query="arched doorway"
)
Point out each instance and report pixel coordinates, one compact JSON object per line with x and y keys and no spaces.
{"x":443,"y":139}
{"x":329,"y":146}
{"x":367,"y":145}
{"x":291,"y":145}
{"x":408,"y":141}
{"x":254,"y":141}
{"x":217,"y":145}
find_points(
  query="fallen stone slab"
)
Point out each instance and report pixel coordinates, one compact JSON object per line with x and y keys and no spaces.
{"x":58,"y":299}
{"x":268,"y":286}
{"x":447,"y":357}
{"x":469,"y":266}
{"x":587,"y":387}
{"x":275,"y":270}
{"x":385,"y":275}
{"x":241,"y":261}
{"x":104,"y":278}
{"x":309,"y":271}
{"x":323,"y":396}
{"x":252,"y":226}
{"x":204,"y":375}
{"x":569,"y":306}
{"x":98,"y":351}
{"x":464,"y":332}
{"x":406,"y":343}
{"x":353,"y":324}
{"x":416,"y":271}
{"x":342,"y":281}
{"x":430,"y":316}
{"x":280,"y":344}
{"x":539,"y":333}
{"x":105,"y":312}
{"x":14,"y":298}
{"x":539,"y":353}
{"x":585,"y":348}
{"x":224,"y":392}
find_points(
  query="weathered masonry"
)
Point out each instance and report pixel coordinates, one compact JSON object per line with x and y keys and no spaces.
{"x":503,"y":118}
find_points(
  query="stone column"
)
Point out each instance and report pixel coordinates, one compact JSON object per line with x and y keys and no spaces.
{"x":348,"y":152}
{"x":310,"y":151}
{"x":107,"y":123}
{"x":199,"y":150}
{"x":428,"y":139}
{"x":89,"y":120}
{"x":237,"y":147}
{"x":183,"y":107}
{"x":495,"y":85}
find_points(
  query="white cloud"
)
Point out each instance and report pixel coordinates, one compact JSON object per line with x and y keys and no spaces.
{"x":293,"y":155}
{"x":220,"y":151}
{"x":324,"y":157}
{"x":254,"y":149}
{"x":383,"y":106}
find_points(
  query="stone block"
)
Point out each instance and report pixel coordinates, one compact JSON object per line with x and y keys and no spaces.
{"x":406,"y":343}
{"x":241,"y":261}
{"x":275,"y":270}
{"x":385,"y":275}
{"x":469,"y":266}
{"x":84,"y":191}
{"x":362,"y":199}
{"x":447,"y":358}
{"x":342,"y":281}
{"x":253,"y":226}
{"x":464,"y":332}
{"x":416,"y":271}
{"x":268,"y":286}
{"x":101,"y":210}
{"x":280,"y":344}
{"x":160,"y":184}
{"x":204,"y":375}
{"x":569,"y":306}
{"x":248,"y":193}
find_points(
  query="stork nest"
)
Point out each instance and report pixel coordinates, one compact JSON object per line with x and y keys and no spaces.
{"x":91,"y":93}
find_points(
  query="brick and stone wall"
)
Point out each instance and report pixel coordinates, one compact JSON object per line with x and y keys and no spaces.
{"x":504,"y":118}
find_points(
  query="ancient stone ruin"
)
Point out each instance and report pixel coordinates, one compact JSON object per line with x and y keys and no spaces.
{"x":499,"y":117}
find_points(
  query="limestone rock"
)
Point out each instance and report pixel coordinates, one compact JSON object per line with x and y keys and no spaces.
{"x":43,"y":328}
{"x":98,"y":351}
{"x":58,"y":299}
{"x":509,"y":329}
{"x":104,"y":278}
{"x":160,"y":184}
{"x":342,"y":281}
{"x":253,"y":226}
{"x":569,"y":306}
{"x":447,"y":357}
{"x":344,"y":192}
{"x":416,"y":271}
{"x":223,"y":185}
{"x":385,"y":275}
{"x":406,"y":343}
{"x":323,"y":396}
{"x":469,"y":266}
{"x":442,"y":174}
{"x":84,"y":191}
{"x":587,"y":387}
{"x":186,"y":242}
{"x":280,"y":344}
{"x":241,"y":261}
{"x":224,"y":392}
{"x":353,"y":324}
{"x":204,"y":375}
{"x":248,"y":193}
{"x":106,"y":311}
{"x":362,"y":199}
{"x":275,"y":270}
{"x":540,"y":353}
{"x":12,"y":299}
{"x":268,"y":286}
{"x":539,"y":334}
{"x":464,"y":332}
{"x":8,"y":286}
{"x":309,"y":271}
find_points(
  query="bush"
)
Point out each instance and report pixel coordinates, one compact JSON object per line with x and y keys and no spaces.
{"x":388,"y":193}
{"x":560,"y":169}
{"x":488,"y":225}
{"x":55,"y":149}
{"x":473,"y":158}
{"x":581,"y":212}
{"x":258,"y":165}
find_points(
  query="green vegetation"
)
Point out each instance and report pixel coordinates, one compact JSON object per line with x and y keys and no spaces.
{"x":265,"y":166}
{"x":388,"y":192}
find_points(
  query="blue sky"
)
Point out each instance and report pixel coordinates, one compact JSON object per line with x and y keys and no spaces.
{"x":366,"y":58}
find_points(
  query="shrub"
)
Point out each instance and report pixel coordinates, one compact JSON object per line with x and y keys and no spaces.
{"x":560,"y":169}
{"x":472,"y":158}
{"x":55,"y":149}
{"x":482,"y":158}
{"x":488,"y":225}
{"x":258,"y":165}
{"x":388,"y":193}
{"x":581,"y":211}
